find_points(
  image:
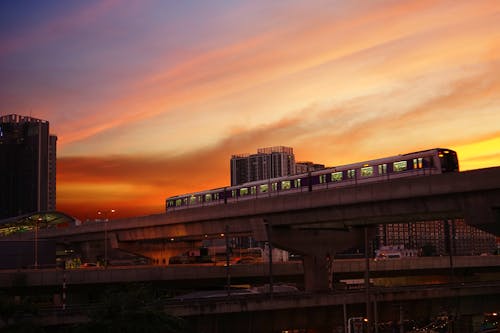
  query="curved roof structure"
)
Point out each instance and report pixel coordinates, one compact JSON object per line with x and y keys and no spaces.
{"x":42,"y":220}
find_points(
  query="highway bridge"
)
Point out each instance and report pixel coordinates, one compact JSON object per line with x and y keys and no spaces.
{"x":315,"y":224}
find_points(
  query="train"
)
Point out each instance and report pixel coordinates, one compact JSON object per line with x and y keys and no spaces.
{"x":425,"y":162}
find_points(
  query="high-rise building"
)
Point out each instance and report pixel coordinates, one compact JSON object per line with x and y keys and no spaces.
{"x":27,"y":166}
{"x":267,"y":163}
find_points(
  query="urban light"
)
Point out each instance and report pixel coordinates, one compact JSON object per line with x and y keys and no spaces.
{"x":105,"y":213}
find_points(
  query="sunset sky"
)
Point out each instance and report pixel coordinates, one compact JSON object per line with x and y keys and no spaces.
{"x":151,"y":98}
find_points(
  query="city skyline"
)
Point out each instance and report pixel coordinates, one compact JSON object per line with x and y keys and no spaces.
{"x":150,"y":100}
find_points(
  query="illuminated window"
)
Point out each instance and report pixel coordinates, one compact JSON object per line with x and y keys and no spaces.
{"x":285,"y":185}
{"x":253,"y":190}
{"x":296,"y":183}
{"x":399,"y":166}
{"x":216,"y":196}
{"x":418,"y":163}
{"x":274,"y":186}
{"x":351,"y":173}
{"x":337,"y":176}
{"x":208,"y":197}
{"x":243,"y":191}
{"x":264,"y":188}
{"x":200,"y":198}
{"x":367,"y":171}
{"x":382,"y":169}
{"x":192,"y":200}
{"x":233,"y":193}
{"x":322,"y":179}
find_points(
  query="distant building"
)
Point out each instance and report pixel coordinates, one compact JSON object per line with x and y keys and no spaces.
{"x":437,"y":237}
{"x":267,"y":163}
{"x":28,"y":166}
{"x":303,"y":167}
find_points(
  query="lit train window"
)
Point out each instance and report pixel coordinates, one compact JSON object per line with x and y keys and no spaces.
{"x":243,"y":191}
{"x":264,"y":188}
{"x":285,"y":185}
{"x":400,"y":166}
{"x":417,"y":163}
{"x":367,"y":171}
{"x":322,"y":179}
{"x":208,"y":197}
{"x":216,"y":196}
{"x":200,"y":198}
{"x":382,"y":169}
{"x":178,"y":202}
{"x":233,"y":193}
{"x":351,"y":173}
{"x":253,"y":189}
{"x":274,"y":186}
{"x":337,"y":176}
{"x":296,"y":183}
{"x":192,"y":200}
{"x":185,"y":201}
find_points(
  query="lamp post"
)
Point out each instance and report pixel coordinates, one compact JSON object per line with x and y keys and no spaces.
{"x":37,"y":221}
{"x":105,"y":213}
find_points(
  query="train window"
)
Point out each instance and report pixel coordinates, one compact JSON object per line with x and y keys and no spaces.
{"x":418,"y":163}
{"x":367,"y":171}
{"x":185,"y":201}
{"x":233,"y":193}
{"x":178,"y":202}
{"x":253,"y":189}
{"x":192,"y":200}
{"x":351,"y":173}
{"x":337,"y":176}
{"x":264,"y":188}
{"x":200,"y":198}
{"x":216,"y":196}
{"x":208,"y":197}
{"x":243,"y":191}
{"x":400,"y":166}
{"x":322,"y":179}
{"x":274,"y":186}
{"x":296,"y":183}
{"x":285,"y":185}
{"x":382,"y":169}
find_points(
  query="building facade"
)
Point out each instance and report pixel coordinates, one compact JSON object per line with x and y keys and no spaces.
{"x":303,"y":167}
{"x":28,"y":166}
{"x":267,"y":163}
{"x":437,"y":237}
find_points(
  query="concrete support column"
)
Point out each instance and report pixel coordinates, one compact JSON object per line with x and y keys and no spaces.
{"x":318,"y":248}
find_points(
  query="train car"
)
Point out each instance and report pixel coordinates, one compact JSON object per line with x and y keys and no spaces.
{"x":426,"y":162}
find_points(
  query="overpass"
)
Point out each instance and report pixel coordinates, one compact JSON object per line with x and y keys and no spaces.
{"x":316,"y":224}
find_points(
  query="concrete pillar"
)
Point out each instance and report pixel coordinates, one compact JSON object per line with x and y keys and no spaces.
{"x":317,"y":247}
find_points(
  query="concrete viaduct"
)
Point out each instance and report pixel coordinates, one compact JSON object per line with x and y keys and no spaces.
{"x":316,"y":224}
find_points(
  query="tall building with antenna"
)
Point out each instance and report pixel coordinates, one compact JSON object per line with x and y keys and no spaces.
{"x":27,"y":166}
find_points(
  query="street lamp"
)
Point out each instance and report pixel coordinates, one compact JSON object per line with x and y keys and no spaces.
{"x":105,"y":213}
{"x":37,"y":221}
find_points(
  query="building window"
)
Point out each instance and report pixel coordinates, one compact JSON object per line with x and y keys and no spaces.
{"x":382,"y":169}
{"x":322,"y":179}
{"x":367,"y":171}
{"x":337,"y":176}
{"x":285,"y":185}
{"x":351,"y":173}
{"x":400,"y":166}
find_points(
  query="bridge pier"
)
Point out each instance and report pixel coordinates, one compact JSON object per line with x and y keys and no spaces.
{"x":318,"y":247}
